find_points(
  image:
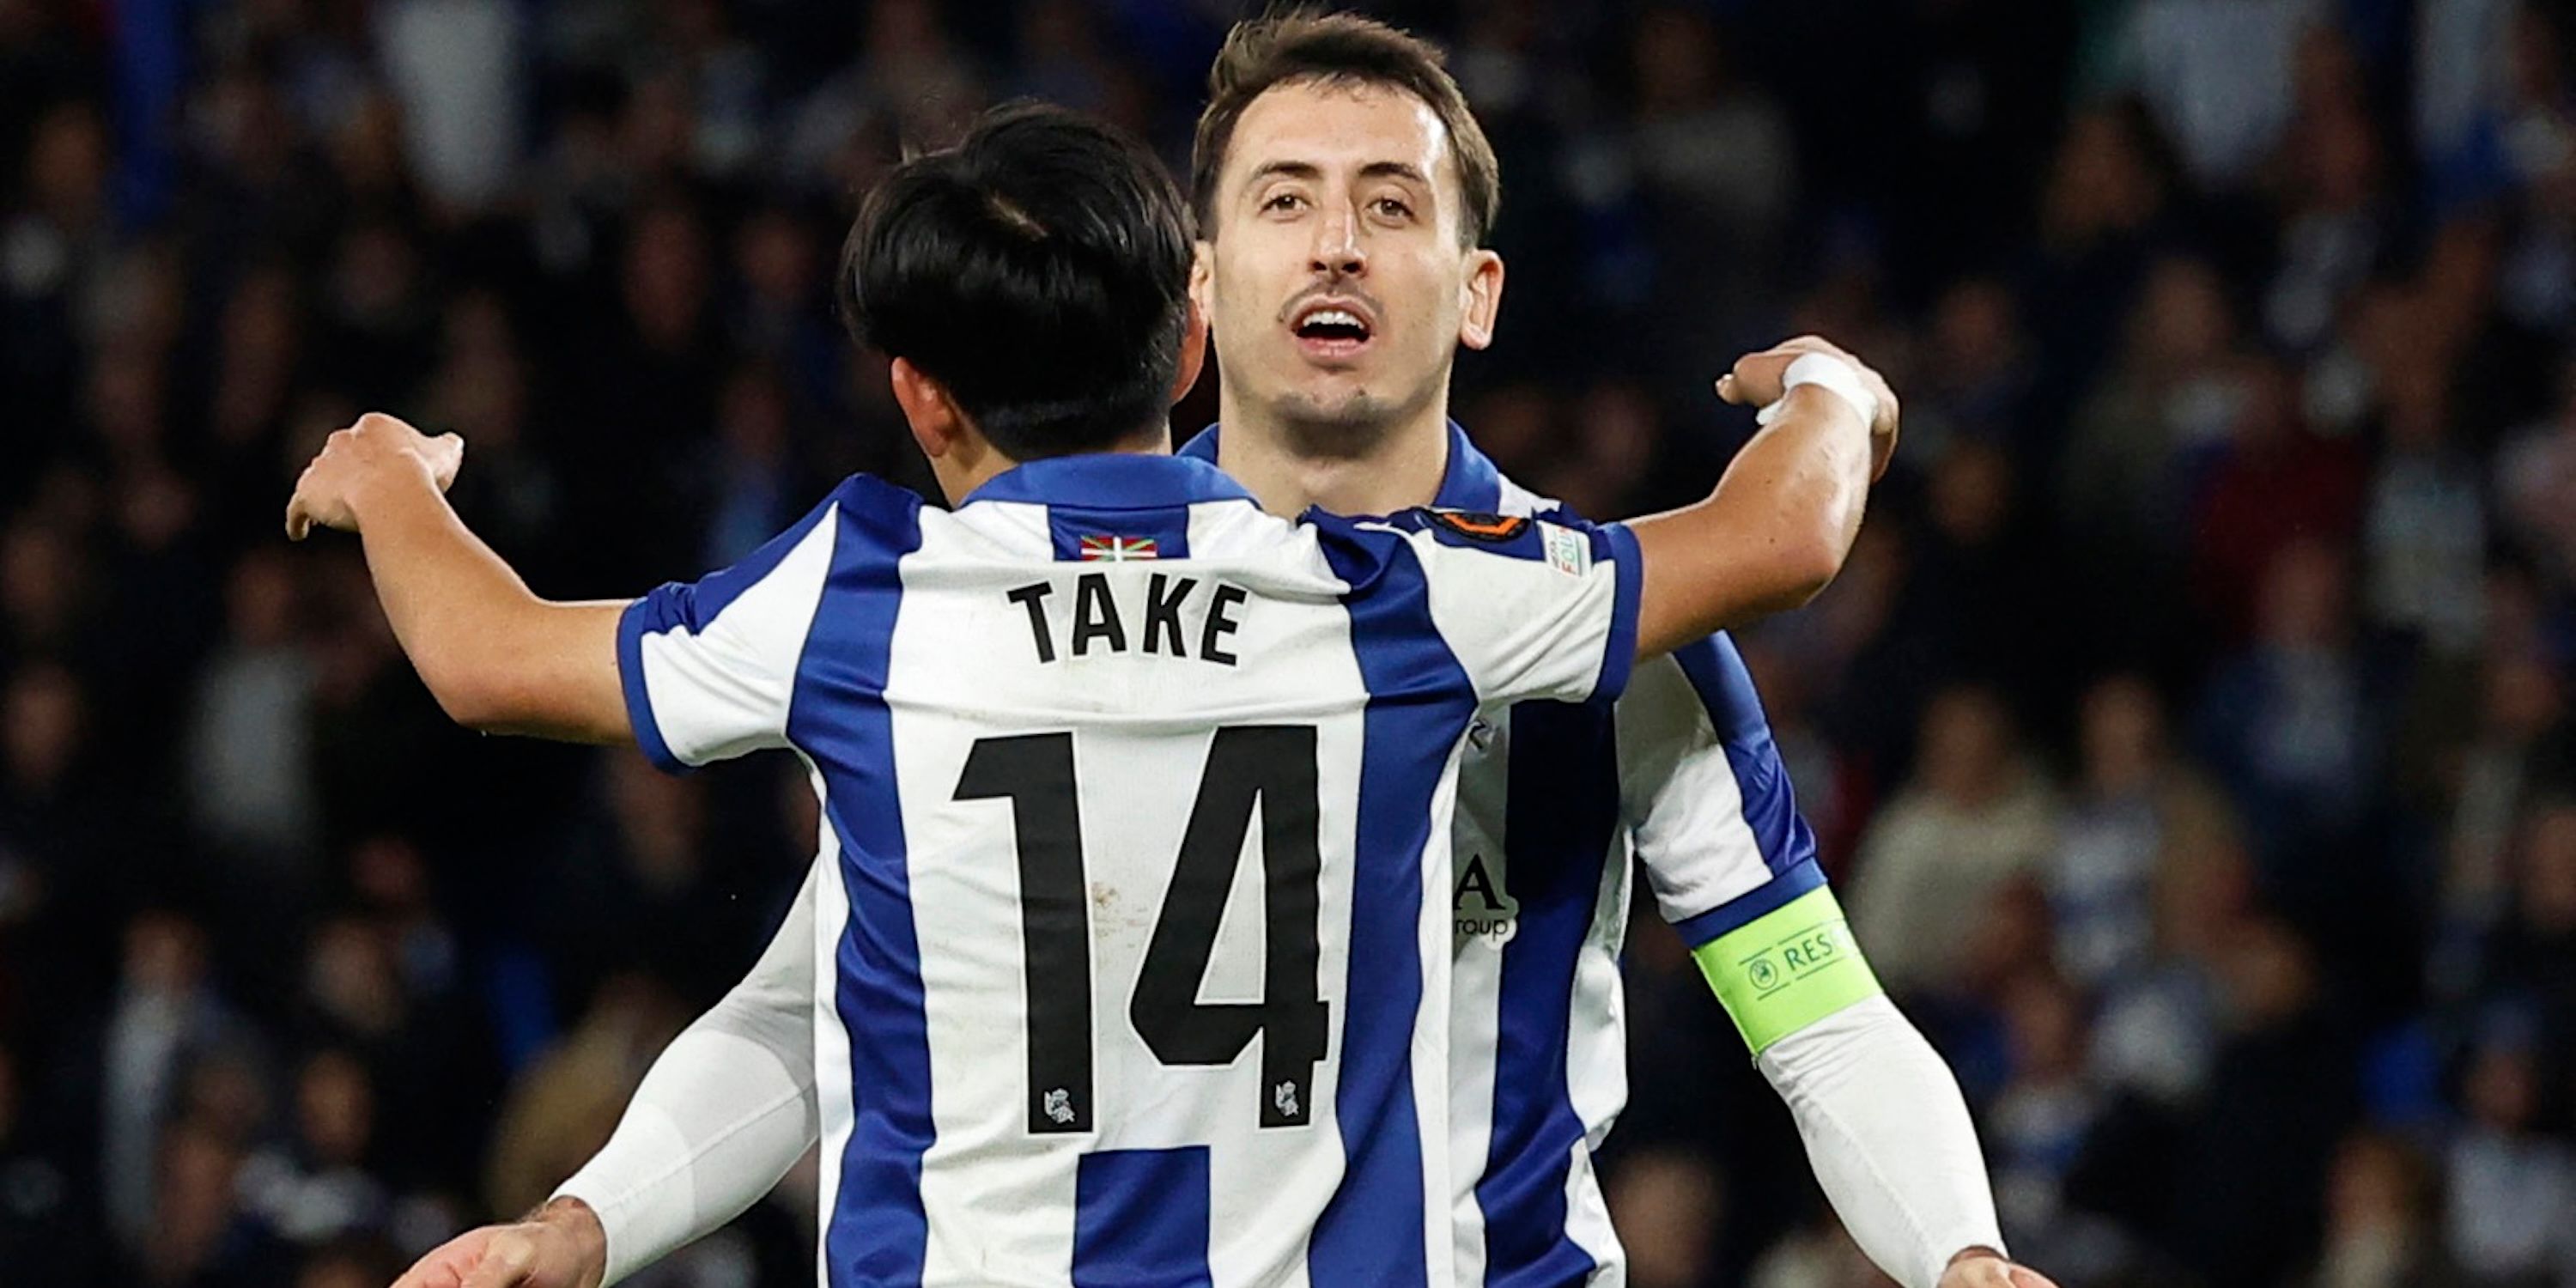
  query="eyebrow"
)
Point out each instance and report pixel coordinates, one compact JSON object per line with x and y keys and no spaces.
{"x":1309,"y":170}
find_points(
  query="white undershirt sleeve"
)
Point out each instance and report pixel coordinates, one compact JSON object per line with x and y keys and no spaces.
{"x":1889,"y":1137}
{"x":725,"y":1110}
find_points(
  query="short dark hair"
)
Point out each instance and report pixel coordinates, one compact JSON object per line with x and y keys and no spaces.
{"x":1038,"y":270}
{"x":1340,"y":48}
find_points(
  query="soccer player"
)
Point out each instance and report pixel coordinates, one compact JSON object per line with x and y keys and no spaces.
{"x":1343,"y":192}
{"x":1052,"y":729}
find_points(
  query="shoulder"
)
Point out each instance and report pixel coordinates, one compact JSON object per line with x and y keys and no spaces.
{"x":872,"y":516}
{"x":865,"y":496}
{"x":1361,"y":548}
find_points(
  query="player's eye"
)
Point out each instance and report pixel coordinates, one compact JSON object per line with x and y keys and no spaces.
{"x":1392,"y":208}
{"x":1284,"y":201}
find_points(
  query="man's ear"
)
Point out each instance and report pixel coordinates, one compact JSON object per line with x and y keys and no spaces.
{"x":927,"y":408}
{"x":1480,"y":298}
{"x":1194,"y":337}
{"x":1203,"y":276}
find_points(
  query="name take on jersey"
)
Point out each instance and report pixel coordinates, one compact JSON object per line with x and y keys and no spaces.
{"x":1168,"y":609}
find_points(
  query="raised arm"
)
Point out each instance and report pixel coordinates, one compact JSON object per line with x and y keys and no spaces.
{"x":1783,"y":517}
{"x":496,"y":657}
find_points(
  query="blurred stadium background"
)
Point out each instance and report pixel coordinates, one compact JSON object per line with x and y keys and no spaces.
{"x":2189,"y":733}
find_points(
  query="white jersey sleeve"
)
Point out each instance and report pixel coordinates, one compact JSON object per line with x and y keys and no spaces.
{"x":709,"y":667}
{"x":725,"y":1110}
{"x":1706,"y":796}
{"x":1530,"y":609}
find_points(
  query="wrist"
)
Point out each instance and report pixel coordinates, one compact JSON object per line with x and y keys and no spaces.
{"x":387,"y":484}
{"x":1829,"y":376}
{"x":579,"y":1222}
{"x":1974,"y":1251}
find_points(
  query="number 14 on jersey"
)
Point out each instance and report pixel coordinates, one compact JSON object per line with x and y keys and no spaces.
{"x":1271,"y":766}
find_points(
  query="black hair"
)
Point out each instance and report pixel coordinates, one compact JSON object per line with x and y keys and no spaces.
{"x":1038,"y":270}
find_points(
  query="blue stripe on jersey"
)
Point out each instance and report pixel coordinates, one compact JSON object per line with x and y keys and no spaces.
{"x":1562,"y":810}
{"x":1628,"y":570}
{"x":1167,"y":528}
{"x":1469,"y":481}
{"x":691,"y":605}
{"x":1745,"y":909}
{"x":647,"y":616}
{"x":875,"y":1234}
{"x":1420,"y":701}
{"x":1201,"y":447}
{"x":1140,"y":1218}
{"x":1716,"y":672}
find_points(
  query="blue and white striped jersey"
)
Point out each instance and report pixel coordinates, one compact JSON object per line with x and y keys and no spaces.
{"x":1137,"y":799}
{"x":1553,"y":798}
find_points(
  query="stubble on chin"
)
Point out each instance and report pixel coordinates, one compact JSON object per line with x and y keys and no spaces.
{"x":1343,"y":426}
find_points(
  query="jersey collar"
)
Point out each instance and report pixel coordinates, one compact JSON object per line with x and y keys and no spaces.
{"x":1469,"y":482}
{"x":1111,"y":481}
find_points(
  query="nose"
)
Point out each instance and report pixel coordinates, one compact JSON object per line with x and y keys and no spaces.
{"x":1337,"y":251}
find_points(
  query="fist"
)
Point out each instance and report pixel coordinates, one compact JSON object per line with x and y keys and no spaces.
{"x":377,"y":449}
{"x":1757,"y":380}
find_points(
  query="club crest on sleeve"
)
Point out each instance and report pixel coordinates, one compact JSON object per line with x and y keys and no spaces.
{"x":1495,"y":528}
{"x":1113,"y":549}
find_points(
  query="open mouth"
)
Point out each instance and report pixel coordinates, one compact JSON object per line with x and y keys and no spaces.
{"x":1332,"y":329}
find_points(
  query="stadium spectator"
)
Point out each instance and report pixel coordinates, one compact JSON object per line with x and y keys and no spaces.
{"x":1977,"y":817}
{"x":2136,"y":804}
{"x":1674,"y":1201}
{"x":316,"y":1187}
{"x":2217,"y":73}
{"x":2381,"y":1229}
{"x":2510,"y":1185}
{"x":2041,"y":1123}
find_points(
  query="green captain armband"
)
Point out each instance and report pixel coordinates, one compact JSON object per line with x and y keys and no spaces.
{"x":1787,"y":969}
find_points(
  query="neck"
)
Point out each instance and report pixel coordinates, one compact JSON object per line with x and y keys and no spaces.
{"x":1375,"y":470}
{"x":972,"y":463}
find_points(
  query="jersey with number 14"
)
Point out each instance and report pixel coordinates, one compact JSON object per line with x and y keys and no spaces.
{"x":1138,"y":801}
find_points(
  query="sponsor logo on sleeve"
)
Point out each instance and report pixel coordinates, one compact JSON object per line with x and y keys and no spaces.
{"x":1568,"y":551}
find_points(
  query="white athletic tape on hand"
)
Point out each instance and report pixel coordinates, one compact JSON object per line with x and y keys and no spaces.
{"x":1827,"y":372}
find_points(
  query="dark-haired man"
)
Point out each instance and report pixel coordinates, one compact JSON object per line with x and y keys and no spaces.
{"x":1021,"y":904}
{"x":1343,"y":193}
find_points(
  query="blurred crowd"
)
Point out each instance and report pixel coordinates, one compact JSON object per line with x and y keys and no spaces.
{"x":2189,"y":733}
